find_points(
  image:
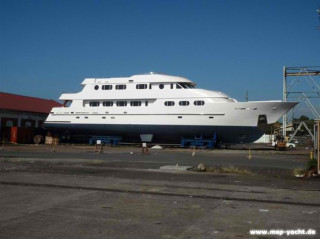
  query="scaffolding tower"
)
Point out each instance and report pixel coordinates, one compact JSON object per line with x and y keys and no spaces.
{"x":301,"y":84}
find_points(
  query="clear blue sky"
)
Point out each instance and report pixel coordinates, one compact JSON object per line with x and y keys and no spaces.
{"x":48,"y":47}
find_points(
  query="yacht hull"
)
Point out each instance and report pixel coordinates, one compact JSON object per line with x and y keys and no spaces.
{"x":161,"y":133}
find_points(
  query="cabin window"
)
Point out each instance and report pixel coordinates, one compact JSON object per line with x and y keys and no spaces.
{"x":27,"y":124}
{"x":121,"y":103}
{"x":198,"y":102}
{"x":178,"y":86}
{"x":96,"y":87}
{"x":171,"y":86}
{"x":103,"y":117}
{"x":9,"y":123}
{"x":186,"y":86}
{"x":107,"y":103}
{"x":210,"y":117}
{"x":169,"y":103}
{"x":150,"y":86}
{"x":141,"y":86}
{"x":161,"y":86}
{"x":94,"y":103}
{"x":121,"y":87}
{"x":146,"y":103}
{"x":135,"y":103}
{"x":183,"y":86}
{"x":107,"y":87}
{"x":184,"y":103}
{"x":179,"y":117}
{"x":77,"y":117}
{"x":86,"y":117}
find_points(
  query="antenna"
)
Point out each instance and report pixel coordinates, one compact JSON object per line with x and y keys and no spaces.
{"x":247,"y":96}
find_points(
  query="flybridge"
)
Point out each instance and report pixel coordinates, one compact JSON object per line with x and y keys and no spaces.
{"x":150,"y":78}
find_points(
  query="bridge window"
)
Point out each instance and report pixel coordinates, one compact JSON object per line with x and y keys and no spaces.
{"x":121,"y":87}
{"x":135,"y":103}
{"x":107,"y":87}
{"x":184,"y":103}
{"x":121,"y":103}
{"x":184,"y":86}
{"x":107,"y":103}
{"x":198,"y":102}
{"x":169,"y":103}
{"x":141,"y":86}
{"x":94,"y":103}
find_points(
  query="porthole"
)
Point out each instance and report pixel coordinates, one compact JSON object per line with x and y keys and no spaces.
{"x":169,"y":103}
{"x":184,"y":103}
{"x":198,"y":102}
{"x":141,"y":86}
{"x":161,"y":86}
{"x":96,"y":87}
{"x":135,"y":103}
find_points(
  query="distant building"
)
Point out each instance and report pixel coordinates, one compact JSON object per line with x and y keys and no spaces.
{"x":22,"y":112}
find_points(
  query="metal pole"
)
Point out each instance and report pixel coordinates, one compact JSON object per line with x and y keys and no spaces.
{"x":284,"y":122}
{"x":318,"y":146}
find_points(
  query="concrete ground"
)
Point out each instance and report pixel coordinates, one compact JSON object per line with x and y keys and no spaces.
{"x":72,"y":192}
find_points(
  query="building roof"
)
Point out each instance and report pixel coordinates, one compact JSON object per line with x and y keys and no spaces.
{"x":26,"y":103}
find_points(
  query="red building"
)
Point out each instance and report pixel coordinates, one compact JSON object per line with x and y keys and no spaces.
{"x":23,"y":114}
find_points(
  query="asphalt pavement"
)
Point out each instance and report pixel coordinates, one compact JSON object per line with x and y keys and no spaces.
{"x":72,"y":192}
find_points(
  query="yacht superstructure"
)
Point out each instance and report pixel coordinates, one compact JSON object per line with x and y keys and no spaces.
{"x":166,"y":107}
